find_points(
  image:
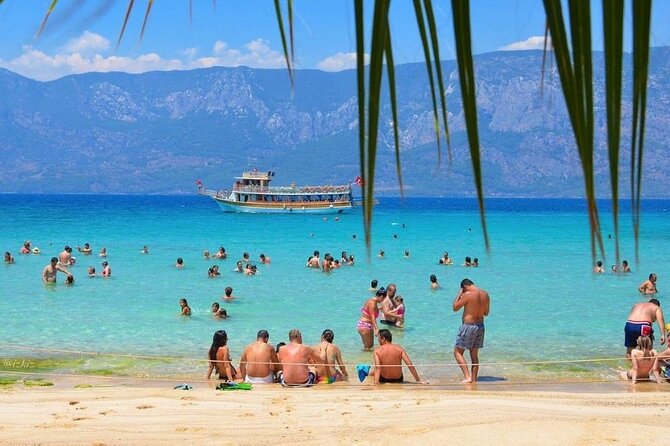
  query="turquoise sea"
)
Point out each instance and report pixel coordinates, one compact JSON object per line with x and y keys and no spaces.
{"x":547,"y":305}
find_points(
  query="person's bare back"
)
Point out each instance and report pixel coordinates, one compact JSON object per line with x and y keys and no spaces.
{"x":295,"y":359}
{"x":259,"y":360}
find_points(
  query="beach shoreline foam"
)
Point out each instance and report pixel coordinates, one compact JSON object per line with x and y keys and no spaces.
{"x":110,"y":413}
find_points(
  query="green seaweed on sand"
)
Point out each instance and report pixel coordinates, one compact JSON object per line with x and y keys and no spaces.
{"x":37,"y":383}
{"x":7,"y":381}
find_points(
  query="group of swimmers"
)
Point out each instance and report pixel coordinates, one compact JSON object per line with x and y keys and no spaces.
{"x":624,"y":268}
{"x":469,"y":261}
{"x":244,"y":265}
{"x":329,"y":262}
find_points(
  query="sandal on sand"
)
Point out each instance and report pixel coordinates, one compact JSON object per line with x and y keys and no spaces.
{"x":183,"y":387}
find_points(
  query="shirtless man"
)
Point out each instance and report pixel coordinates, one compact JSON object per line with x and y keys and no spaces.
{"x":640,"y":321}
{"x":228,"y":297}
{"x":294,"y":358}
{"x":387,"y":317}
{"x":331,"y":359}
{"x":65,"y":257}
{"x":649,"y":285}
{"x":259,"y":361}
{"x":313,"y":261}
{"x":86,"y":250}
{"x":388,"y":361}
{"x":476,"y":304}
{"x":50,"y":271}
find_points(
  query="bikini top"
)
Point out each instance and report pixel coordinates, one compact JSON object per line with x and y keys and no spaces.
{"x":366,"y":313}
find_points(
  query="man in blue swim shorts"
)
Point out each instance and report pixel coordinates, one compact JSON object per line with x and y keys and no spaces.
{"x":640,"y":321}
{"x":476,"y":305}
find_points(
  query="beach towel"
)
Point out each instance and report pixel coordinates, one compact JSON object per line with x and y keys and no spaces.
{"x":363,"y":371}
{"x":230,"y":385}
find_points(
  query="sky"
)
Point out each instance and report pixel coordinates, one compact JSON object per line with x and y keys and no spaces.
{"x":81,"y":35}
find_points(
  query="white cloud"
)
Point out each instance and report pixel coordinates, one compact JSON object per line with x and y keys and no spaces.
{"x":340,"y":61}
{"x":531,"y":43}
{"x":86,"y":43}
{"x":91,"y":52}
{"x":190,"y":53}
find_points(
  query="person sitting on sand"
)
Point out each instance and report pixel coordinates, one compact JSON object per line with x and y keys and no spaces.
{"x":330,"y":367}
{"x":649,"y":285}
{"x":434,"y":285}
{"x":645,"y":362}
{"x":388,"y":359}
{"x":219,"y":357}
{"x":8,"y":257}
{"x":295,"y":359}
{"x":259,"y":361}
{"x":185,"y":309}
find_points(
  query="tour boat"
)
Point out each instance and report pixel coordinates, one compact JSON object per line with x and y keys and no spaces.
{"x":252,"y":193}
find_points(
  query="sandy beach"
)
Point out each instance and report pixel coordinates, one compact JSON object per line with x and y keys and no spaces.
{"x":112,"y":413}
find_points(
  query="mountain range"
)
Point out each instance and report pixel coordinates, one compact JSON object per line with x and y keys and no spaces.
{"x":156,"y":132}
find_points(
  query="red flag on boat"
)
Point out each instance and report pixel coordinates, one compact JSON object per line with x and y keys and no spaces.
{"x":358,"y":180}
{"x":198,"y":182}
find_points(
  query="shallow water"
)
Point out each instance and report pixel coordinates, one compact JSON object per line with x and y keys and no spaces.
{"x":546,"y":303}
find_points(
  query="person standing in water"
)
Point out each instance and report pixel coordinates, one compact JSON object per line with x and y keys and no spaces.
{"x":476,"y":305}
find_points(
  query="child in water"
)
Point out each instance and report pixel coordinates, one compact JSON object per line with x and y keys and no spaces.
{"x":185,"y":309}
{"x":399,"y":311}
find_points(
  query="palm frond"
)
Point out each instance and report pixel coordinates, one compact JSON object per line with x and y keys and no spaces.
{"x":613,"y":45}
{"x":421,"y":23}
{"x":146,"y":16}
{"x":641,"y":35}
{"x":52,"y":6}
{"x":125,"y":21}
{"x":390,"y":72}
{"x":289,"y":60}
{"x":434,"y":41}
{"x":466,"y":74}
{"x":577,"y":82}
{"x":362,"y":127}
{"x":380,"y":30}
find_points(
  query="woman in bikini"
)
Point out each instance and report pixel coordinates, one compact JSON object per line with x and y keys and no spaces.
{"x":645,"y":362}
{"x":332,"y":367}
{"x":367,"y":324}
{"x":219,"y":357}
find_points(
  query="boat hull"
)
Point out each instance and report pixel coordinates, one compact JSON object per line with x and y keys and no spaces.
{"x":283,"y":208}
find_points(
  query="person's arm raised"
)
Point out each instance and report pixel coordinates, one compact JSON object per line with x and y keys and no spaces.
{"x":460,"y":300}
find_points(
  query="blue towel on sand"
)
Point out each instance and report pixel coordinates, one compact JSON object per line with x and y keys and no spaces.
{"x":363,"y":371}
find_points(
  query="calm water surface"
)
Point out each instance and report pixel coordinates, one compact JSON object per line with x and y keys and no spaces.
{"x":546,"y":303}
